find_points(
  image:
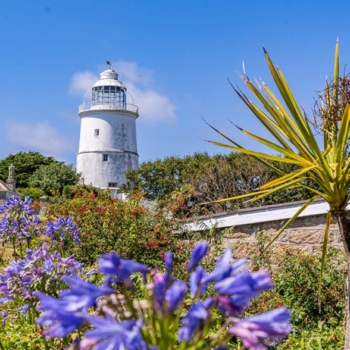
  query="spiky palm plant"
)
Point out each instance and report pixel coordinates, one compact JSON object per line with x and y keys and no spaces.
{"x":326,"y":164}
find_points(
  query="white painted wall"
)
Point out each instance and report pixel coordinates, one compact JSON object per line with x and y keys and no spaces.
{"x":117,"y":138}
{"x":258,"y":215}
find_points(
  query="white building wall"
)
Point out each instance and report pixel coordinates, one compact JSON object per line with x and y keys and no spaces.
{"x":258,"y":215}
{"x":116,"y":137}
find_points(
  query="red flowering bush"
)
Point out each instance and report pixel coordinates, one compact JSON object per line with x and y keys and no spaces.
{"x":128,"y":228}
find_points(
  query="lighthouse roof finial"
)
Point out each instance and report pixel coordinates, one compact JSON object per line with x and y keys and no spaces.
{"x":109,"y":64}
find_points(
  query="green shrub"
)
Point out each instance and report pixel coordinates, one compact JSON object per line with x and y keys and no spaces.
{"x":296,"y":278}
{"x":319,"y":338}
{"x":296,"y":287}
{"x":127,"y":228}
{"x":32,"y":192}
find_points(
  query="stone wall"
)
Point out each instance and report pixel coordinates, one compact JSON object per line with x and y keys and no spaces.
{"x":306,"y":234}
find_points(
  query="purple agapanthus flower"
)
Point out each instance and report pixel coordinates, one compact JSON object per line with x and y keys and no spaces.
{"x":60,"y":316}
{"x":169,"y":262}
{"x":82,"y":294}
{"x":244,"y":283}
{"x":224,"y":269}
{"x":159,"y":289}
{"x":24,"y":309}
{"x":18,"y":220}
{"x":110,"y":334}
{"x":197,"y":313}
{"x":233,"y":306}
{"x":61,"y":229}
{"x":39,"y":268}
{"x":198,"y":286}
{"x":198,"y":253}
{"x":234,"y":287}
{"x":175,"y":294}
{"x":121,"y":269}
{"x":108,"y":264}
{"x":128,"y":267}
{"x":253,"y":330}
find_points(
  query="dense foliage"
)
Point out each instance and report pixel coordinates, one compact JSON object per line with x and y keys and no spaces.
{"x":37,"y":175}
{"x":44,"y":269}
{"x":52,"y":178}
{"x":128,"y":228}
{"x":295,"y":277}
{"x":45,"y":274}
{"x":26,"y":163}
{"x":210,"y":178}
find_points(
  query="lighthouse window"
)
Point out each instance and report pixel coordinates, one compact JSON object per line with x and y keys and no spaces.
{"x":97,"y":132}
{"x":112,"y":184}
{"x":105,"y":157}
{"x":109,"y":95}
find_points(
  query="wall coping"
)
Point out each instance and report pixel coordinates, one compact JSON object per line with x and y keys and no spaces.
{"x":257,"y":215}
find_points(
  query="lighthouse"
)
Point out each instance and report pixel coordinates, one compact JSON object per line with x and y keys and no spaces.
{"x":107,"y":145}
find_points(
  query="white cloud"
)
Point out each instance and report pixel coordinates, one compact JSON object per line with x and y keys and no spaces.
{"x":82,"y":82}
{"x":40,"y":136}
{"x":131,"y":72}
{"x":153,"y":105}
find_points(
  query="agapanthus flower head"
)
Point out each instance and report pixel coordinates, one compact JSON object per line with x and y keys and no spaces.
{"x":18,"y":220}
{"x":16,"y":204}
{"x":39,"y":268}
{"x":62,"y":229}
{"x":129,"y":324}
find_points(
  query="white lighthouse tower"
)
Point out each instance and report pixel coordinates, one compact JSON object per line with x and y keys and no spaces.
{"x":107,"y":146}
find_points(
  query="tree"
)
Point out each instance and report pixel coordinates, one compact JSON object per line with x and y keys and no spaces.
{"x":26,"y":163}
{"x":54,"y":177}
{"x":327,"y":165}
{"x":210,"y":178}
{"x":156,"y":179}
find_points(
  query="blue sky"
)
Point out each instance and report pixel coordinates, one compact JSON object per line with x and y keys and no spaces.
{"x":174,"y":56}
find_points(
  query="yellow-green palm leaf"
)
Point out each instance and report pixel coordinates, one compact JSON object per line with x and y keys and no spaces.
{"x":291,"y":136}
